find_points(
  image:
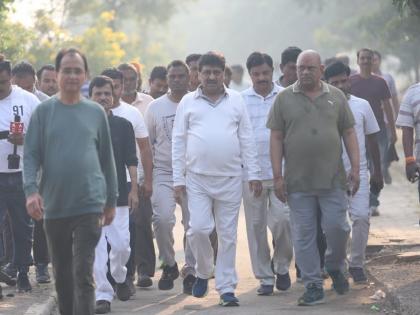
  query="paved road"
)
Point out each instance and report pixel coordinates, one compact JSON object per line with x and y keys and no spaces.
{"x":397,"y":224}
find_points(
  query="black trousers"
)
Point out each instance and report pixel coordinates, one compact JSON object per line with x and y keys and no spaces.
{"x":72,"y":242}
{"x":13,"y":201}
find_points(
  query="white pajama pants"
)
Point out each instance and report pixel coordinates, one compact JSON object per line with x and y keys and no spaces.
{"x":117,"y":235}
{"x":267,"y":210}
{"x":163,"y":203}
{"x":359,"y":213}
{"x":223,"y":194}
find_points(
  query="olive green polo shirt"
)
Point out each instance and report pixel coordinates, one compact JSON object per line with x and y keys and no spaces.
{"x":312,"y":133}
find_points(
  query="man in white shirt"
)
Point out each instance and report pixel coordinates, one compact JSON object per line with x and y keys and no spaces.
{"x":130,"y":92}
{"x":409,"y":122}
{"x":266,"y":209}
{"x":366,"y":126}
{"x":23,"y":75}
{"x":15,"y":102}
{"x":144,"y":152}
{"x":160,"y":119}
{"x":143,"y":252}
{"x":212,"y":138}
{"x":237,"y":83}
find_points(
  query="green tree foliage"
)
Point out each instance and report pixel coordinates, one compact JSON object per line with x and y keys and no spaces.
{"x":14,"y":39}
{"x":4,"y":8}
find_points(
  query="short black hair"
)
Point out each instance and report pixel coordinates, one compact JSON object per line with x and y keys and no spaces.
{"x":100,"y":81}
{"x":330,"y":60}
{"x":191,"y":58}
{"x":158,"y":72}
{"x":212,"y":59}
{"x":290,"y":54}
{"x":5,"y":65}
{"x":128,"y":66}
{"x":336,"y":68}
{"x":48,"y":67}
{"x":178,"y":63}
{"x":70,"y":51}
{"x":113,"y":73}
{"x":23,"y":68}
{"x":377,"y":53}
{"x":366,"y":50}
{"x":257,"y":59}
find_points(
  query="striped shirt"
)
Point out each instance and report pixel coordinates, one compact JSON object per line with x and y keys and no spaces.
{"x":258,"y":109}
{"x":409,"y":115}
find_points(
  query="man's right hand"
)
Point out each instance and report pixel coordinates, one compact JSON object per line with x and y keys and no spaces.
{"x":108,"y":215}
{"x":35,"y":206}
{"x":280,"y":189}
{"x":412,"y":171}
{"x":179,"y":192}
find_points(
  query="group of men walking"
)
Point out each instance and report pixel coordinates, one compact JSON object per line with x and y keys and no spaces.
{"x":302,"y":153}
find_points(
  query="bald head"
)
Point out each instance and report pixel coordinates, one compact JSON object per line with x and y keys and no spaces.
{"x":309,"y":70}
{"x":309,"y":55}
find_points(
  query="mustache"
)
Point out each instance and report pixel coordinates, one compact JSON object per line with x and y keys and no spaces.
{"x":263,"y":82}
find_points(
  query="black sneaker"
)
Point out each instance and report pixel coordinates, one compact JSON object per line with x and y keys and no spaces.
{"x":4,"y":277}
{"x":102,"y":307}
{"x":131,"y":287}
{"x":42,"y":274}
{"x":283,"y":282}
{"x":340,"y":283}
{"x":122,"y":290}
{"x":169,"y":274}
{"x":358,"y":275}
{"x":313,"y":295}
{"x":23,"y":284}
{"x":188,"y":283}
{"x":1,"y":293}
{"x":144,"y":281}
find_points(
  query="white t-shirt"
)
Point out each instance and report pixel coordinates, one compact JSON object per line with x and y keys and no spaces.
{"x":134,"y":116}
{"x":365,"y":124}
{"x":22,"y":103}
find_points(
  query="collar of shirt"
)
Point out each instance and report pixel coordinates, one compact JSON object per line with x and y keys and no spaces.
{"x":251,"y":92}
{"x":296,"y":88}
{"x":199,"y":94}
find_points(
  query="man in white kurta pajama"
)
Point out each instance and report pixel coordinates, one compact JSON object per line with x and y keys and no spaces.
{"x":212,"y":138}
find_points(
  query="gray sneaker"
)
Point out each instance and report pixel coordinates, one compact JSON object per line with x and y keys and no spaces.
{"x":42,"y":274}
{"x":313,"y":295}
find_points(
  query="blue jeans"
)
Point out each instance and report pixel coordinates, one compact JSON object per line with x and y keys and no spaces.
{"x":12,"y":199}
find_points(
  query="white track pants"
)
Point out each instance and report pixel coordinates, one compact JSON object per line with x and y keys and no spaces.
{"x":223,"y":194}
{"x":118,"y":237}
{"x":163,"y":203}
{"x":267,"y":210}
{"x":360,"y":217}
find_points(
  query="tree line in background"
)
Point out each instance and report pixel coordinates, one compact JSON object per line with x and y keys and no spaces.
{"x":113,"y":31}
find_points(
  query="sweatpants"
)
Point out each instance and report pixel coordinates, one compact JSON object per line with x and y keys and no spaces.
{"x":359,"y":215}
{"x":163,"y":219}
{"x":303,"y":218}
{"x":267,"y":210}
{"x":118,"y":237}
{"x":223,"y":195}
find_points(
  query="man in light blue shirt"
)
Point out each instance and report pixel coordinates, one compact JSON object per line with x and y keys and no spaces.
{"x":265,"y":209}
